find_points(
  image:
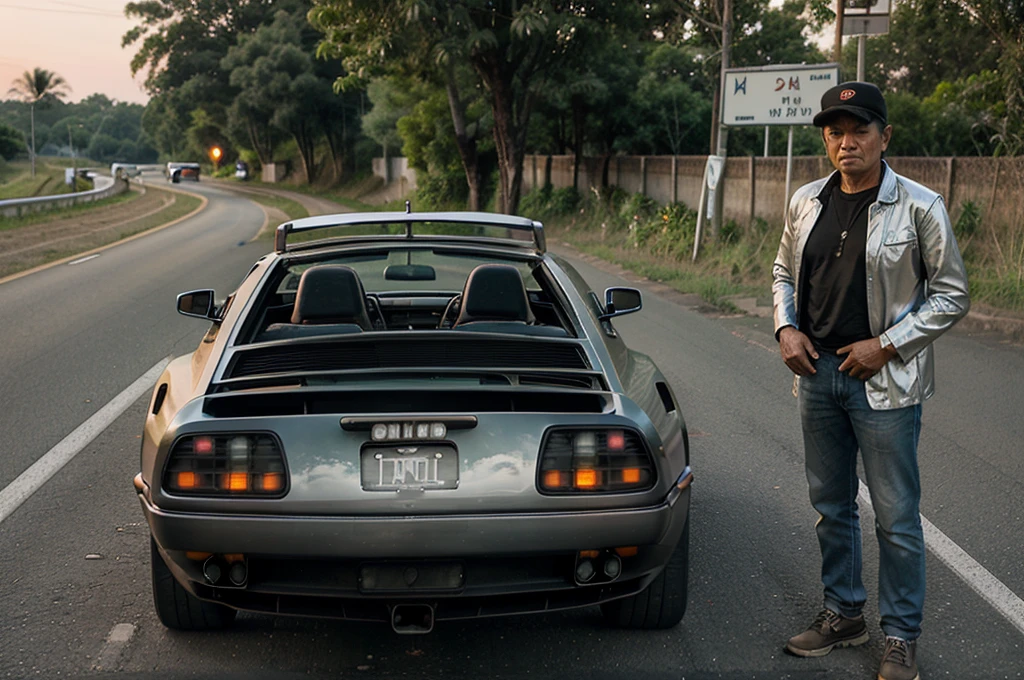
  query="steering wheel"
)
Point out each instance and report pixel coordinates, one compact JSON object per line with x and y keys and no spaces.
{"x":451,"y":312}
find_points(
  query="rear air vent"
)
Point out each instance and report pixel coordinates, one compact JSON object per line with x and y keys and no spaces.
{"x":347,"y":402}
{"x":586,"y":382}
{"x":379,"y":352}
{"x":158,"y":400}
{"x":666,"y":397}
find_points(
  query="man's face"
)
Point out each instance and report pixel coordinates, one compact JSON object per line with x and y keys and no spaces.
{"x":855,"y":147}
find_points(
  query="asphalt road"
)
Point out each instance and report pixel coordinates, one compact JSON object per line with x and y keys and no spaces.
{"x":75,"y":594}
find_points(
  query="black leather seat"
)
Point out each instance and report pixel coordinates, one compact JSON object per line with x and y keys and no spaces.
{"x":330,"y":300}
{"x":494,"y":300}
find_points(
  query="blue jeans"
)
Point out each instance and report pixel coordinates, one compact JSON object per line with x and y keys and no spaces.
{"x":837,"y":421}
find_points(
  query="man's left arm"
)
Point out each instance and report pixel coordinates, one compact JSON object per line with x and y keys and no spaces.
{"x":946,"y":300}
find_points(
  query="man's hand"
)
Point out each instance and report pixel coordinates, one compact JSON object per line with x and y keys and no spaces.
{"x":797,"y":351}
{"x":865,"y":358}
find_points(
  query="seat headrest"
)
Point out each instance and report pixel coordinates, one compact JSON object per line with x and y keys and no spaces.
{"x":494,"y":292}
{"x":330,"y":293}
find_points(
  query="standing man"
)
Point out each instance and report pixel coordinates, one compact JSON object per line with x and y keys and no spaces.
{"x":867,"y":276}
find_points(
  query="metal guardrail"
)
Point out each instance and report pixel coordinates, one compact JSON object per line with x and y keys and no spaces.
{"x":105,"y":187}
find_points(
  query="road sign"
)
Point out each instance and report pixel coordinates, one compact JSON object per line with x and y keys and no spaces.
{"x":776,"y":95}
{"x":866,"y":17}
{"x":866,"y":24}
{"x":863,"y":7}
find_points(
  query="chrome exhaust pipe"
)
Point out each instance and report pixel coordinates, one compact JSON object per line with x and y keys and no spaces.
{"x":213,"y":570}
{"x":412,"y":619}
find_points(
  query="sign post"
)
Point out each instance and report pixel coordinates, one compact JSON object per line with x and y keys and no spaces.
{"x":777,"y":95}
{"x":863,"y":18}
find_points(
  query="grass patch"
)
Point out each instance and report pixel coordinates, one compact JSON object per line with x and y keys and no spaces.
{"x":347,"y":194}
{"x":68,"y":244}
{"x":183,"y":205}
{"x":656,"y":241}
{"x":8,"y":223}
{"x":293,"y":209}
{"x":16,"y":179}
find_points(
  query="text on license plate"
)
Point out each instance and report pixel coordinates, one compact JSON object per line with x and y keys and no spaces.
{"x":411,"y":466}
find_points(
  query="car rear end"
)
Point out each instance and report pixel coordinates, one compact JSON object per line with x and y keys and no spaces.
{"x":414,"y":477}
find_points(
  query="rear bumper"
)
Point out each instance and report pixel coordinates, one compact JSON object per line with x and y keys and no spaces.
{"x":422,"y":536}
{"x":510,"y":563}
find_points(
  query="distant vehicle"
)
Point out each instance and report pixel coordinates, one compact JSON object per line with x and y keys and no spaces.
{"x":124,"y":170}
{"x":242,"y":170}
{"x":178,"y":171}
{"x":417,"y":417}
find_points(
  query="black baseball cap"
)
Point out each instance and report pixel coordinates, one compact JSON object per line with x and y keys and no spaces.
{"x":862,"y":100}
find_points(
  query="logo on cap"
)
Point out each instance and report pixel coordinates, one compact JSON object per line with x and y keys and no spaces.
{"x":846,"y":94}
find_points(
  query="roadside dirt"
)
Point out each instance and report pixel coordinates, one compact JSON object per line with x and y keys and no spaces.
{"x":24,"y":247}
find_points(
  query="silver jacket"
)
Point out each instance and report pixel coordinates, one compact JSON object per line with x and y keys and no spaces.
{"x":916,"y":287}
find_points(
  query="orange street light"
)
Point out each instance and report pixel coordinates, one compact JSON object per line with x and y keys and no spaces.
{"x":215,"y":154}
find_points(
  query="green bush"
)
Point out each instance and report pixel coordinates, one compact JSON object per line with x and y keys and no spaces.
{"x":442,"y":191}
{"x":969,"y":221}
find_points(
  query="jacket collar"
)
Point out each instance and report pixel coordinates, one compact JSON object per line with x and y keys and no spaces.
{"x":886,"y":190}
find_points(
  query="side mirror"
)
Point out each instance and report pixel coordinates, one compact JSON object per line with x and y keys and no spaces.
{"x":197,"y":303}
{"x":619,"y":301}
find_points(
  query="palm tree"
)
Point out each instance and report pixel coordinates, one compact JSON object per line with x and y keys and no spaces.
{"x":34,"y":86}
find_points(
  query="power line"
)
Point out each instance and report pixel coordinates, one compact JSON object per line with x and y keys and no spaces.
{"x":97,"y":13}
{"x":79,"y":6}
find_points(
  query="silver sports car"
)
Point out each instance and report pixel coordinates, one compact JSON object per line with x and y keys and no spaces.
{"x":409,"y":418}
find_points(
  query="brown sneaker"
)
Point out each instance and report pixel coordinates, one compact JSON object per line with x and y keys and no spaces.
{"x":899,"y":660}
{"x":829,"y":630}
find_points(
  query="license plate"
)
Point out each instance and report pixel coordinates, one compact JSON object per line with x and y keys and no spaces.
{"x":410,"y":466}
{"x":400,"y":577}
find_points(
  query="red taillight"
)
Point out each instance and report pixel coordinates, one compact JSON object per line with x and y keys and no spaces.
{"x":230,"y":464}
{"x":589,"y":460}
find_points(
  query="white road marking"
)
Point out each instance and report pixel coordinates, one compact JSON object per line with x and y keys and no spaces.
{"x":83,"y":259}
{"x":118,"y":638}
{"x":980,"y":579}
{"x":29,"y":481}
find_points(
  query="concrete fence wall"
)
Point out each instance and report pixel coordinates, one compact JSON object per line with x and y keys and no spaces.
{"x":105,"y":187}
{"x":397,"y":171}
{"x":756,"y":187}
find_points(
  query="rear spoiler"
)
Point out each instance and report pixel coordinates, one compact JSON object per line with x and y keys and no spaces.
{"x":442,"y":225}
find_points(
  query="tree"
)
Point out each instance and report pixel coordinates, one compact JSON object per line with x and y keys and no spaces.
{"x":12,"y":142}
{"x":274,"y":75}
{"x":35,"y":86}
{"x":181,"y":44}
{"x":919,"y":52}
{"x":511,"y":45}
{"x":675,"y":118}
{"x":1005,"y":21}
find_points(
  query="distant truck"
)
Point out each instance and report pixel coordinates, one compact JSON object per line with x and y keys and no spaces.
{"x":178,"y":171}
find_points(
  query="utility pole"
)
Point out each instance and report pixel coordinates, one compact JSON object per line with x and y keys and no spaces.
{"x":837,"y":54}
{"x":74,"y":164}
{"x":723,"y":131}
{"x":32,"y":114}
{"x":862,"y":43}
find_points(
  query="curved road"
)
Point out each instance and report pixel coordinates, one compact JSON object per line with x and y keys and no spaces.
{"x":74,"y":562}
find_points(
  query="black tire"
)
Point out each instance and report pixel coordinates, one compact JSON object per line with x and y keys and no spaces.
{"x":179,"y":609}
{"x":661,"y":604}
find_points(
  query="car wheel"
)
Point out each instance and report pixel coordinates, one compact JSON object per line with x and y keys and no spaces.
{"x":661,"y":604}
{"x":179,"y":609}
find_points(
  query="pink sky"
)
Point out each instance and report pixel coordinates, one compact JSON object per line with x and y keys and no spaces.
{"x":79,"y":39}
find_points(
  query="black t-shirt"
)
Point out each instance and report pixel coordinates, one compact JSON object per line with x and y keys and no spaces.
{"x":834,"y":308}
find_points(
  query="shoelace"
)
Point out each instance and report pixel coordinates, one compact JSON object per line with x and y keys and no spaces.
{"x":826,"y":620}
{"x":895,"y":651}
